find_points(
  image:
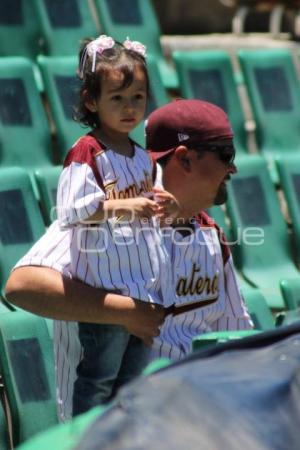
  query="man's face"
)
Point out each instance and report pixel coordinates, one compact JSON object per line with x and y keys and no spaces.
{"x":203,"y":177}
{"x":222,"y":195}
{"x":211,"y":175}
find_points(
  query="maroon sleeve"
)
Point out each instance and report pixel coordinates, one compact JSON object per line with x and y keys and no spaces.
{"x":85,"y":151}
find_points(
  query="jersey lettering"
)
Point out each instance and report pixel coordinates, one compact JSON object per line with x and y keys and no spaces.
{"x":192,"y":285}
{"x":131,"y":191}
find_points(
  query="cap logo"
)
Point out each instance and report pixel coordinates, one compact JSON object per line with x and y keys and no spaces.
{"x":183,"y":137}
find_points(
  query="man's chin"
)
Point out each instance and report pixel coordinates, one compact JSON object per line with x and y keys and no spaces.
{"x":221,"y":196}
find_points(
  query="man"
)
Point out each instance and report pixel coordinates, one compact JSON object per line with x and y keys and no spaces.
{"x":193,"y":141}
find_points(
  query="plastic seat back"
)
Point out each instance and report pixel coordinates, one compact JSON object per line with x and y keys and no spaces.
{"x":262,"y":252}
{"x":5,"y":439}
{"x":274,"y":93}
{"x":259,"y":311}
{"x":210,"y":339}
{"x":21,"y":223}
{"x":208,"y":75}
{"x":63,"y":24}
{"x":289,"y":176}
{"x":19,"y":31}
{"x":25,"y":138}
{"x":27,"y":367}
{"x":61,"y":86}
{"x":290,"y":289}
{"x":137,"y":20}
{"x":47,"y":180}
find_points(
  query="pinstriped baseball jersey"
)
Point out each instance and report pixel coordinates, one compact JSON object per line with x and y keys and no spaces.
{"x":127,"y":255}
{"x":190,"y":255}
{"x":53,"y":250}
{"x":207,"y":295}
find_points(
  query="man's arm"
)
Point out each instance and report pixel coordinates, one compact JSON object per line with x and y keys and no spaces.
{"x":46,"y":292}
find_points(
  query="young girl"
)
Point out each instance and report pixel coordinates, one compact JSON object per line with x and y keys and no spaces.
{"x":105,"y":197}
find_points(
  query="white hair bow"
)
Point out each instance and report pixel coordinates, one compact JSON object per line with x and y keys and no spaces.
{"x":136,"y":46}
{"x":103,"y":42}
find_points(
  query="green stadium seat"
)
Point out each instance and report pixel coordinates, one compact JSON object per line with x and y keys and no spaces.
{"x":262,"y":252}
{"x":27,"y":368}
{"x":210,"y":339}
{"x":64,"y":436}
{"x":158,"y":96}
{"x":19,"y":31}
{"x":156,"y":365}
{"x":259,"y":311}
{"x":290,"y":289}
{"x":217,"y":213}
{"x":4,"y":433}
{"x":274,"y":93}
{"x":25,"y":138}
{"x":47,"y":180}
{"x":63,"y":24}
{"x":61,"y":85}
{"x":21,"y":223}
{"x":208,"y":75}
{"x":5,"y":307}
{"x":136,"y":19}
{"x":288,"y":167}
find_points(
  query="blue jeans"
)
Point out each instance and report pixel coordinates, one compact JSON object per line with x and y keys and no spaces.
{"x":111,"y":358}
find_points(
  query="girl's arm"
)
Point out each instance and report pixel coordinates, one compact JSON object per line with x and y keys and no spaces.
{"x":129,"y":208}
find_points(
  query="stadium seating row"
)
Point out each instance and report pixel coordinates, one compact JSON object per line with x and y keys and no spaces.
{"x":24,"y":129}
{"x":259,"y":235}
{"x":27,"y":366}
{"x":56,"y":27}
{"x":25,"y":132}
{"x":39,"y":41}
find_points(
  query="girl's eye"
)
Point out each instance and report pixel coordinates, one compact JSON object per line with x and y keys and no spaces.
{"x":139,"y":96}
{"x":116,"y":97}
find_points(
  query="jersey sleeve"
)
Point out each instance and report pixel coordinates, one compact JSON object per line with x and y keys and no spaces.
{"x":236,"y":316}
{"x":80,"y":188}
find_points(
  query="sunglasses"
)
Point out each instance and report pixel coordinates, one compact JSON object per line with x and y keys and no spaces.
{"x":226,"y":153}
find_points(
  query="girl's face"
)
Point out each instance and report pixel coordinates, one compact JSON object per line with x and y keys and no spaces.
{"x":120,"y":109}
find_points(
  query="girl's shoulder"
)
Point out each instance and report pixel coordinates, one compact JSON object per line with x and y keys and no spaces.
{"x":87,"y":147}
{"x":88,"y":141}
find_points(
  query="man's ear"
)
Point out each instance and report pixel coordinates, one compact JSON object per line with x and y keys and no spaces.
{"x":182,"y":156}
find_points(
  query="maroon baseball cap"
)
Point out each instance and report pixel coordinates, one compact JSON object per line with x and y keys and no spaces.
{"x":182,"y":122}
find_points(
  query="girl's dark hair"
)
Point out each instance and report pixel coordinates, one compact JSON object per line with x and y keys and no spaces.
{"x":117,"y":58}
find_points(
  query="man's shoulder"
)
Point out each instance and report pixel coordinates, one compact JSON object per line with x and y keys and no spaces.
{"x":204,"y":220}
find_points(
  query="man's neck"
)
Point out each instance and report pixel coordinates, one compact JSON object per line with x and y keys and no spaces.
{"x":184,"y":227}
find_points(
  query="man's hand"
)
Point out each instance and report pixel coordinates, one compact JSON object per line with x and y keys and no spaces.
{"x":144,"y":320}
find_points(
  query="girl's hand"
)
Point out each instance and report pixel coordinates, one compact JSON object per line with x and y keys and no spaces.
{"x":168,"y":206}
{"x":140,"y":207}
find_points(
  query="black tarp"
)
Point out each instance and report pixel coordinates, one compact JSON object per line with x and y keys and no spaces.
{"x":241,"y":395}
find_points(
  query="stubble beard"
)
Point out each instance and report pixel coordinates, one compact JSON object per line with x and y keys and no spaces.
{"x":221,"y":196}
